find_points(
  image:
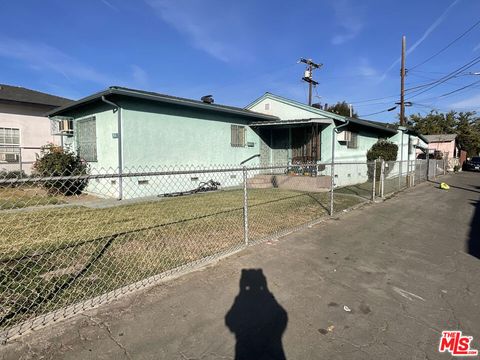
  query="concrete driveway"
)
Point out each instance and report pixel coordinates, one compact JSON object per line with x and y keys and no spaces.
{"x":380,"y":282}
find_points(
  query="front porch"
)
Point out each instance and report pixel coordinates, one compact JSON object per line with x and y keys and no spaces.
{"x":292,"y":142}
{"x":295,"y":146}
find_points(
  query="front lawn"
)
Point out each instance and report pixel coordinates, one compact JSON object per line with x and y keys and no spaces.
{"x":54,"y":257}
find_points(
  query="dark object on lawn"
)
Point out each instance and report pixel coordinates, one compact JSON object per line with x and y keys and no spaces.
{"x":210,"y":185}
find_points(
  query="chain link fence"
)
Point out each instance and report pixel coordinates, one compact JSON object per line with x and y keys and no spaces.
{"x":17,"y":159}
{"x":68,"y":243}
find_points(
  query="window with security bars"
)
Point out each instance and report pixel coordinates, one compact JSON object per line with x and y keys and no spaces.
{"x":238,"y":136}
{"x":86,"y":136}
{"x":353,"y":143}
{"x":9,"y":144}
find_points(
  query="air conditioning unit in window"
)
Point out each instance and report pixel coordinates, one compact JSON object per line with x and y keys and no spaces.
{"x":9,"y":157}
{"x":65,"y":126}
{"x":344,"y":136}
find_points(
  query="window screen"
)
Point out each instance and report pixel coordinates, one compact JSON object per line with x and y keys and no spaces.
{"x":86,"y":135}
{"x":238,"y":136}
{"x":9,"y":137}
{"x":352,"y":144}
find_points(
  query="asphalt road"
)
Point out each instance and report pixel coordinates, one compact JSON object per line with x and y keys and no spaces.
{"x":380,"y":282}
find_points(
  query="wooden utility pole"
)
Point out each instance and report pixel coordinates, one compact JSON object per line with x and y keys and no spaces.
{"x":402,"y":84}
{"x":308,"y":76}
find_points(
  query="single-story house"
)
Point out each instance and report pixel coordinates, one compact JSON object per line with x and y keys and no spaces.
{"x":306,"y":133}
{"x":24,"y":128}
{"x":126,"y":130}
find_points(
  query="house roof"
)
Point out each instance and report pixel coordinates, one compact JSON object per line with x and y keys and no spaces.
{"x":440,"y":137}
{"x":383,"y":127}
{"x":21,"y":94}
{"x":291,"y":122}
{"x":160,"y":98}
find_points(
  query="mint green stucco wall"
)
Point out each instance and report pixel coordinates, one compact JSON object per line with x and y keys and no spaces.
{"x":159,"y":135}
{"x":107,"y":148}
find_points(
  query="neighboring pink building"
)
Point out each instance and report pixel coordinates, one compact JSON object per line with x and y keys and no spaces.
{"x":445,"y":143}
{"x":23,"y":125}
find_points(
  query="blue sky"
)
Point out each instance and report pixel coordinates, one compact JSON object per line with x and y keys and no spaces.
{"x":237,"y":50}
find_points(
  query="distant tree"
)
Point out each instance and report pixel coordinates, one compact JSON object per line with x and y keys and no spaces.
{"x":342,"y":108}
{"x":465,"y":124}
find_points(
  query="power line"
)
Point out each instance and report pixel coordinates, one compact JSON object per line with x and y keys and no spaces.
{"x":447,"y":46}
{"x":460,"y":89}
{"x":375,"y":113}
{"x":453,"y":91}
{"x":448,"y":76}
{"x":374,"y":99}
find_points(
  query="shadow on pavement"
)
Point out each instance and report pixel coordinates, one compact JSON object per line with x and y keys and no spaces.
{"x":257,"y":319}
{"x":474,"y":237}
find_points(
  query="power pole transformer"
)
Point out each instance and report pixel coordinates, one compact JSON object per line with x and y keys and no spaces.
{"x":308,"y":76}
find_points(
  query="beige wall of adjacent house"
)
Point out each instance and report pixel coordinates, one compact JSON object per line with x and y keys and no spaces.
{"x":34,"y":132}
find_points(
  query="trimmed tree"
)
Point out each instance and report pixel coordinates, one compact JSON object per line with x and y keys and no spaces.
{"x":54,"y":161}
{"x":382,"y":149}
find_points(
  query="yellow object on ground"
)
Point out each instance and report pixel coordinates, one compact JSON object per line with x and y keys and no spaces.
{"x":444,"y":186}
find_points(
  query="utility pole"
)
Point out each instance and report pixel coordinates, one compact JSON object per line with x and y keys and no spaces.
{"x":308,"y":76}
{"x":402,"y":84}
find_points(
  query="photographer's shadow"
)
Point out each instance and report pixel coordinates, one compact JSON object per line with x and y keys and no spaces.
{"x":257,"y":319}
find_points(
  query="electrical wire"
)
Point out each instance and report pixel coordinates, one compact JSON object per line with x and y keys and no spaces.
{"x":375,"y":113}
{"x":447,"y":77}
{"x":447,"y":46}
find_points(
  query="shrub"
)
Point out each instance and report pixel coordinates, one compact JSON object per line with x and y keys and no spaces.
{"x":382,"y":149}
{"x":11,"y":175}
{"x":56,"y":161}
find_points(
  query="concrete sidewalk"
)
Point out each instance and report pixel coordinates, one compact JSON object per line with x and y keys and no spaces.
{"x":381,"y":282}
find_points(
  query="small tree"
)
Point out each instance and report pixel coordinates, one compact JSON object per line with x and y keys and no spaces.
{"x":55,"y":161}
{"x":342,"y":108}
{"x":382,"y":149}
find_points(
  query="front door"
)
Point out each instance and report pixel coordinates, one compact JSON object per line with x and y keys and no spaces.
{"x":306,"y":144}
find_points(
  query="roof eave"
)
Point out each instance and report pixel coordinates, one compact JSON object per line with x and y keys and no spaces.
{"x":158,"y":98}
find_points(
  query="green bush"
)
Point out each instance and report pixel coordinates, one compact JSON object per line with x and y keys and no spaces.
{"x":382,"y":149}
{"x":56,"y":161}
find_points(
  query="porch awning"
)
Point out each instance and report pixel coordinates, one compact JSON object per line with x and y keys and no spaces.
{"x":291,"y":122}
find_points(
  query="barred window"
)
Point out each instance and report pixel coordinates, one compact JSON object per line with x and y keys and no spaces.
{"x":86,"y":136}
{"x":238,"y":136}
{"x":352,"y":144}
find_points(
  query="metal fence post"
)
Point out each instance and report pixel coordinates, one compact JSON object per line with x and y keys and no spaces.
{"x":374,"y":179}
{"x":382,"y":178}
{"x":20,"y":167}
{"x":415,"y":170}
{"x":434,"y":168}
{"x":245,"y":207}
{"x":332,"y":185}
